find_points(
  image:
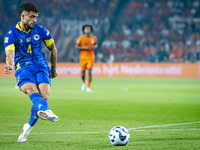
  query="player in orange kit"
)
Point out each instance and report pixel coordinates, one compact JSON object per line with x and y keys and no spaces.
{"x":86,"y":44}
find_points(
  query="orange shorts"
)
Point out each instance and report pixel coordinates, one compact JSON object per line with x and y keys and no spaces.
{"x":85,"y":64}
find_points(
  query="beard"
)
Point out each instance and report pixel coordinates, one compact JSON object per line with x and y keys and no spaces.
{"x":28,"y":26}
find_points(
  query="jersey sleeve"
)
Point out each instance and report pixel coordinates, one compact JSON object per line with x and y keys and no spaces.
{"x":9,"y":41}
{"x":79,"y":41}
{"x":46,"y":37}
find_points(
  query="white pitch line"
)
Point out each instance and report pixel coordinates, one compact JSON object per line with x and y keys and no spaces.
{"x":190,"y":129}
{"x":165,"y":125}
{"x":134,"y":129}
{"x":51,"y":133}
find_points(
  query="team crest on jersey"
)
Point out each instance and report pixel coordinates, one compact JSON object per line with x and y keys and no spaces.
{"x":28,"y":39}
{"x":6,"y":40}
{"x":92,"y":41}
{"x":36,"y":37}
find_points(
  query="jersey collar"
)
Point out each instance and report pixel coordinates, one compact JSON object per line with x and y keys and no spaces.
{"x":18,"y":27}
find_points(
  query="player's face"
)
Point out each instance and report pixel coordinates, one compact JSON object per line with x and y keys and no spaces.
{"x":87,"y":30}
{"x":29,"y":19}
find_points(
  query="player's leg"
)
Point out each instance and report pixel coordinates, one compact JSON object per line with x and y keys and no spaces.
{"x":89,"y":80}
{"x":83,"y":67}
{"x":83,"y":79}
{"x":43,"y":82}
{"x":44,"y":90}
{"x":83,"y":76}
{"x":38,"y":103}
{"x":31,"y":90}
{"x":27,"y":83}
{"x":89,"y":66}
{"x":34,"y":117}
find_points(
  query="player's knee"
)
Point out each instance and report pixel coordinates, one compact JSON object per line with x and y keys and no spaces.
{"x":29,"y":90}
{"x":82,"y":73}
{"x":45,"y":95}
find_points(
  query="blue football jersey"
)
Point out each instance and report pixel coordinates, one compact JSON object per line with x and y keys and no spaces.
{"x":28,"y":45}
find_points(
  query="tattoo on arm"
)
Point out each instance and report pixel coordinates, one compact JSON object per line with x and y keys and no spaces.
{"x":53,"y":50}
{"x":51,"y":47}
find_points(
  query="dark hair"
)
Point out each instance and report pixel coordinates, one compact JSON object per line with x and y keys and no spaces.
{"x":87,"y":25}
{"x":27,"y":7}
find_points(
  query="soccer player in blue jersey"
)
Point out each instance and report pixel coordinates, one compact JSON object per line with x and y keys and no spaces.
{"x":23,"y":47}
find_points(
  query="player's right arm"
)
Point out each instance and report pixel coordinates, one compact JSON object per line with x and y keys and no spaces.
{"x":79,"y":47}
{"x":9,"y":61}
{"x":10,"y":52}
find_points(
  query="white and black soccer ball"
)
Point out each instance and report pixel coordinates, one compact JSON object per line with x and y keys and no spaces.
{"x":119,"y":136}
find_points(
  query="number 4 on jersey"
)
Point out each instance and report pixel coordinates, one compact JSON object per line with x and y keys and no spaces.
{"x":29,"y":49}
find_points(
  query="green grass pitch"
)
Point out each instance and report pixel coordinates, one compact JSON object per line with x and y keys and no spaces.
{"x":159,"y":113}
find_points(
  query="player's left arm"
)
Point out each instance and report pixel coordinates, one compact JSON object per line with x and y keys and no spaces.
{"x":95,"y":44}
{"x":49,"y":42}
{"x":53,"y":51}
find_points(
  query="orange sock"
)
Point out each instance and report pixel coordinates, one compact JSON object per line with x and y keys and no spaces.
{"x":83,"y":80}
{"x":88,"y":84}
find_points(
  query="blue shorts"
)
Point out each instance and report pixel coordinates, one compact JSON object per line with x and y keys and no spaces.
{"x":36,"y":74}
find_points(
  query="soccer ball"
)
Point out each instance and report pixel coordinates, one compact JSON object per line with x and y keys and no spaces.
{"x":119,"y":136}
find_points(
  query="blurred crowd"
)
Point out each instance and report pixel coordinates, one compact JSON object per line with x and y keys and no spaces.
{"x":52,"y":11}
{"x":144,"y":30}
{"x":155,"y":31}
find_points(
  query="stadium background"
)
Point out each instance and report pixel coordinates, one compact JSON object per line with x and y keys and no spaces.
{"x":148,"y":38}
{"x":150,"y":31}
